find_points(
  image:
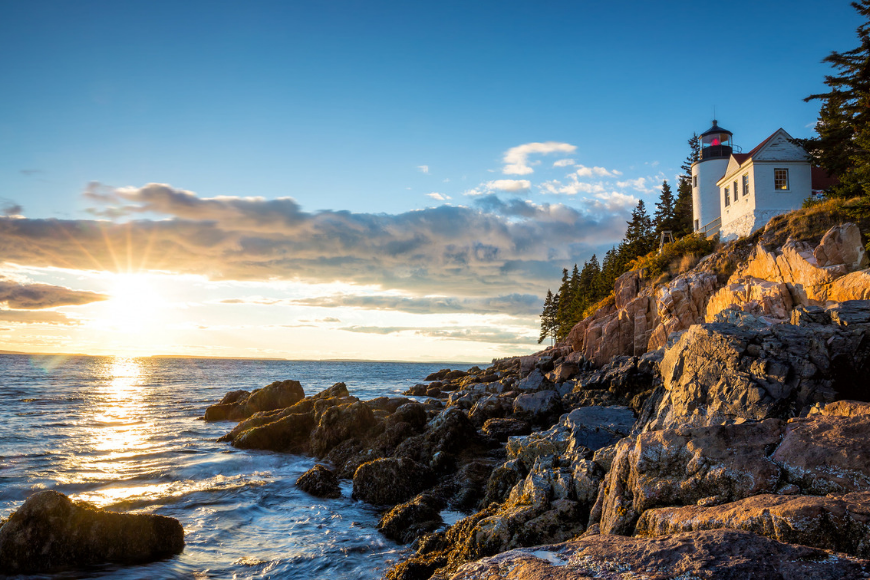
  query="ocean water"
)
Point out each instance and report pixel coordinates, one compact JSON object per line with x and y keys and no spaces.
{"x":125,"y":434}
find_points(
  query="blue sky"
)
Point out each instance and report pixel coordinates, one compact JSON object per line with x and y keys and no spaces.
{"x":380,"y":108}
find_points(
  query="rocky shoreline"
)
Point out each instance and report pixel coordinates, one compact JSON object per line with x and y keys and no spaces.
{"x":716,"y":426}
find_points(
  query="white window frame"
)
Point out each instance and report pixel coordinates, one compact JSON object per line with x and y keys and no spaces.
{"x":694,"y":181}
{"x":727,"y":195}
{"x":736,"y":192}
{"x":777,"y":178}
{"x":745,"y":184}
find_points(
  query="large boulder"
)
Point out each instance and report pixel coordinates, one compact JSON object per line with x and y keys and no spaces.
{"x":842,"y":244}
{"x":390,"y":481}
{"x":722,"y":373}
{"x":541,"y":407}
{"x":503,"y":429}
{"x":319,"y":481}
{"x":405,"y":522}
{"x":838,"y":523}
{"x":597,"y":427}
{"x":277,"y":395}
{"x":825,"y":454}
{"x":50,"y":532}
{"x":290,"y":433}
{"x":721,"y":554}
{"x":708,"y":465}
{"x":448,"y":434}
{"x":339,"y":423}
{"x":816,"y":455}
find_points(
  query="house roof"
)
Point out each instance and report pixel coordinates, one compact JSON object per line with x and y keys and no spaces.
{"x":762,"y":144}
{"x":742,"y":158}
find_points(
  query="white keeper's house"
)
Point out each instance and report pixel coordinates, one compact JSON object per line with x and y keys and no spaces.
{"x":734,"y":193}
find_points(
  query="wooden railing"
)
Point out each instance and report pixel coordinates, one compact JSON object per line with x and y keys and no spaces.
{"x":711,"y":229}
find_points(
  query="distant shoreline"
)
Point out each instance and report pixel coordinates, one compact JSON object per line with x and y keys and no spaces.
{"x":187,"y":356}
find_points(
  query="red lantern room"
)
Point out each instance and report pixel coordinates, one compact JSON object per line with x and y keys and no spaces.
{"x":716,"y":142}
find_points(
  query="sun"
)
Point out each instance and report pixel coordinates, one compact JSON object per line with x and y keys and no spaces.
{"x":134,"y":302}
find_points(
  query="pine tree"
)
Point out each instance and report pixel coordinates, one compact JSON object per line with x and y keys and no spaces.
{"x":640,"y":235}
{"x":683,"y":206}
{"x":665,"y":217}
{"x":548,"y":318}
{"x":843,"y":143}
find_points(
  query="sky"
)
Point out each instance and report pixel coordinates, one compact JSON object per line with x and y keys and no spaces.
{"x":356,"y":180}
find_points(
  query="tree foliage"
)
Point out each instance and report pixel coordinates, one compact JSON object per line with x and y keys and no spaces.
{"x":842,"y":145}
{"x":583,"y":288}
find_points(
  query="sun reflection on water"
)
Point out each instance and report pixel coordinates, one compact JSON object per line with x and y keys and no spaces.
{"x":118,"y":433}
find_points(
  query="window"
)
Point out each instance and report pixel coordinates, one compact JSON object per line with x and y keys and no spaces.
{"x":694,"y":181}
{"x":735,"y":191}
{"x":696,"y":225}
{"x":780,"y":179}
{"x":745,"y":185}
{"x":727,"y":197}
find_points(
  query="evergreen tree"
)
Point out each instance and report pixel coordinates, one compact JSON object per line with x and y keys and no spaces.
{"x":548,"y":318}
{"x":843,"y":143}
{"x":640,"y":235}
{"x":683,"y":206}
{"x":665,"y":217}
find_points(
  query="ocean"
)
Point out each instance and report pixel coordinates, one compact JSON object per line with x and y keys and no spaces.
{"x":126,"y":434}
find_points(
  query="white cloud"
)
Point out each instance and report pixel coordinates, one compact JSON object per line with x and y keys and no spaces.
{"x":446,"y":180}
{"x":638,"y":184}
{"x":511,"y":185}
{"x":556,"y":187}
{"x":438,"y":196}
{"x":423,"y":168}
{"x":563,"y":163}
{"x":615,"y":201}
{"x":516,"y":159}
{"x":584,"y":171}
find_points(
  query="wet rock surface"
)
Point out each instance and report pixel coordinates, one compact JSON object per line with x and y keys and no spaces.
{"x":51,"y":532}
{"x":319,"y":481}
{"x":721,"y":554}
{"x":390,"y":481}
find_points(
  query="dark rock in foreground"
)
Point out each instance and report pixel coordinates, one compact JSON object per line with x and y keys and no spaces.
{"x":50,"y":532}
{"x":238,"y":405}
{"x":390,"y":481}
{"x":319,"y":481}
{"x":406,"y":521}
{"x":720,"y":554}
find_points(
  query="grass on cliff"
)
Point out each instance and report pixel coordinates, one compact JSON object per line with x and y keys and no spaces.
{"x":810,"y":223}
{"x":675,"y":259}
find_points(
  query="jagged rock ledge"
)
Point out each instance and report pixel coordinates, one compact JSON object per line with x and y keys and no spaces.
{"x":723,"y":409}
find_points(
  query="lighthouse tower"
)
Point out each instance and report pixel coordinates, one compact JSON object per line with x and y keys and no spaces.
{"x":716,"y":148}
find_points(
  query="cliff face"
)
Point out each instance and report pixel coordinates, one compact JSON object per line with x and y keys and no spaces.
{"x":768,"y":282}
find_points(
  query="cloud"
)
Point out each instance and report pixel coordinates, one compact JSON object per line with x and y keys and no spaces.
{"x":10,"y":209}
{"x":37,"y":296}
{"x":423,"y":168}
{"x":516,"y":159}
{"x":584,"y":171}
{"x":476,"y":334}
{"x":512,"y":304}
{"x":639,"y":184}
{"x":29,"y":172}
{"x":31,"y":317}
{"x":564,"y":163}
{"x":438,"y":196}
{"x":511,"y":185}
{"x":513,"y":247}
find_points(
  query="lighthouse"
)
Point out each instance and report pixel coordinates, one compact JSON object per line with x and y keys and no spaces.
{"x":715,"y":152}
